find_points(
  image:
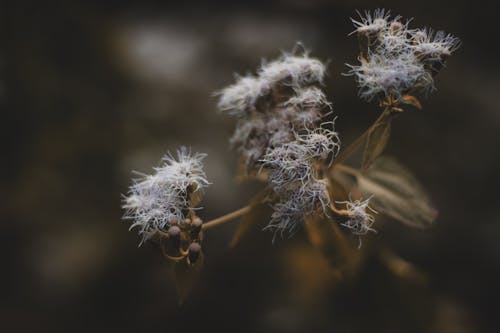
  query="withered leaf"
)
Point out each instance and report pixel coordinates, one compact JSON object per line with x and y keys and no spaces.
{"x":397,"y":193}
{"x":377,"y":139}
{"x":412,"y":100}
{"x":195,"y":198}
{"x":337,"y":190}
{"x":325,"y":235}
{"x":259,"y":212}
{"x":185,"y":276}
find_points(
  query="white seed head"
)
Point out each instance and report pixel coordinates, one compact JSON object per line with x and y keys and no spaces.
{"x":308,"y":98}
{"x":434,"y":45}
{"x":371,"y":22}
{"x":294,"y":206}
{"x":320,"y":142}
{"x":240,"y":98}
{"x":398,"y":59}
{"x":391,"y":75}
{"x":359,"y":220}
{"x":154,"y":201}
{"x":293,"y":70}
{"x":288,"y":163}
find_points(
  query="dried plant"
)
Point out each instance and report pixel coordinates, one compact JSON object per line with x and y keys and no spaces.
{"x":285,"y":135}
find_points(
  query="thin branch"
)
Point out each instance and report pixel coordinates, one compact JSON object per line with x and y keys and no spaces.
{"x":226,"y":218}
{"x":353,"y":146}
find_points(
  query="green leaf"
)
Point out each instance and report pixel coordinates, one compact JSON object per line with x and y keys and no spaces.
{"x":397,"y":193}
{"x":377,"y":139}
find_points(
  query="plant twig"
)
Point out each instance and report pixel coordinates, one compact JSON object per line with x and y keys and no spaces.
{"x":354,"y":145}
{"x":226,"y":218}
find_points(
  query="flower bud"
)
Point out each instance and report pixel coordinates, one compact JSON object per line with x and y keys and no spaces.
{"x":174,"y":234}
{"x":194,"y":251}
{"x":196,"y":227}
{"x":173,"y":220}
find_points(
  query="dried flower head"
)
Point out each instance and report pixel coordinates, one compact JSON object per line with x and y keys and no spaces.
{"x":240,"y":98}
{"x":320,"y":142}
{"x":359,"y":220}
{"x":157,"y":202}
{"x":294,"y":204}
{"x":293,"y":70}
{"x":371,"y":22}
{"x":294,"y":178}
{"x":382,"y":75}
{"x":280,"y":130}
{"x":434,"y":44}
{"x":395,"y":59}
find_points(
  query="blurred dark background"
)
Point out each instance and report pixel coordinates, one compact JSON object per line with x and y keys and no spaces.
{"x":90,"y":90}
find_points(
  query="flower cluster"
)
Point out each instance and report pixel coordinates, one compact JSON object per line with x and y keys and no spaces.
{"x":395,"y":59}
{"x":166,"y":198}
{"x":274,"y":104}
{"x":279,"y":130}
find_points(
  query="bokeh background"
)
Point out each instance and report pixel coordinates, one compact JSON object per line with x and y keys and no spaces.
{"x":90,"y":90}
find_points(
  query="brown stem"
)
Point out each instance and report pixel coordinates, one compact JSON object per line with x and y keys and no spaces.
{"x":226,"y":218}
{"x":353,"y":146}
{"x":345,"y":169}
{"x":341,"y":212}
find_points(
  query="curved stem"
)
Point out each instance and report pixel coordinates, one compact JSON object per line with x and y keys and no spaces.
{"x":226,"y":218}
{"x":340,"y":212}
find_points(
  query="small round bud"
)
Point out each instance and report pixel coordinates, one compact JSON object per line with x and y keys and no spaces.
{"x":187,"y":221}
{"x":173,"y":220}
{"x":197,"y":222}
{"x":174,"y":233}
{"x":196,"y":228}
{"x":194,"y":251}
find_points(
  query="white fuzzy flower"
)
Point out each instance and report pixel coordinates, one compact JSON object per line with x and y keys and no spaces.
{"x":308,"y":98}
{"x":434,"y":45}
{"x":157,"y":201}
{"x":294,"y":206}
{"x":359,"y":220}
{"x":288,"y":163}
{"x":320,"y":142}
{"x":390,"y":75}
{"x":293,"y":70}
{"x":394,"y":40}
{"x":395,"y":59}
{"x":240,"y":98}
{"x":371,"y":22}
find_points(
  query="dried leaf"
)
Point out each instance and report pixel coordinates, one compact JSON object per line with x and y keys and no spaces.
{"x":195,"y":198}
{"x":377,"y":139}
{"x":402,"y":268}
{"x":310,"y":276}
{"x":258,"y":213}
{"x":325,"y":235}
{"x":412,"y":100}
{"x":337,"y":190}
{"x":396,"y":193}
{"x":185,"y":276}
